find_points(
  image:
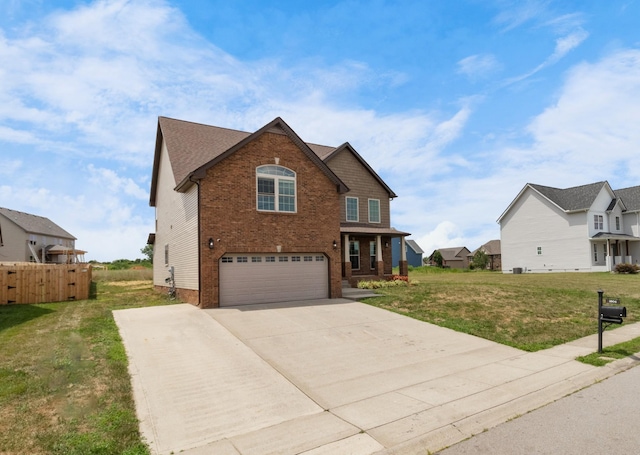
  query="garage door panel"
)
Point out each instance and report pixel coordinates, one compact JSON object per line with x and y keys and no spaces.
{"x":249,"y":279}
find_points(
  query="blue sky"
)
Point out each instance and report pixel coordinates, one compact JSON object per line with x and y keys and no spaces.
{"x":457,"y":104}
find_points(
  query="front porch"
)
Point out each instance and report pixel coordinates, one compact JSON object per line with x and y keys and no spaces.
{"x":609,"y":250}
{"x":367,"y":253}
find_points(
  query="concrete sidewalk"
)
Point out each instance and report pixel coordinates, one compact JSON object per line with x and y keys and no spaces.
{"x":332,"y":376}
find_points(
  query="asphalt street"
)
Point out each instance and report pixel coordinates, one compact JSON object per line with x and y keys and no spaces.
{"x":603,"y":418}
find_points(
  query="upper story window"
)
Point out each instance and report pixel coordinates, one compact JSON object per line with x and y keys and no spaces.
{"x":617,"y":223}
{"x":598,"y":222}
{"x":374,"y":210}
{"x":276,"y":189}
{"x":352,"y":208}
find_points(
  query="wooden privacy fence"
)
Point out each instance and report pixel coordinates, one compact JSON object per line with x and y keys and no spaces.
{"x":41,"y":283}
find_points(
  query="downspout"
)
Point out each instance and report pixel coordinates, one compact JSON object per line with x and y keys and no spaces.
{"x":197,"y":183}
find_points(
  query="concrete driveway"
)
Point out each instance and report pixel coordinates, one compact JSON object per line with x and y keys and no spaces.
{"x":329,"y":377}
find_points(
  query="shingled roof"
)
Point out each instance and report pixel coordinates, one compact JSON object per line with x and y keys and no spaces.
{"x":35,"y":224}
{"x":193,"y":147}
{"x":571,"y":199}
{"x":580,"y":198}
{"x":630,"y":197}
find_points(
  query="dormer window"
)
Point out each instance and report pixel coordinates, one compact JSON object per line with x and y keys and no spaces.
{"x":276,"y":189}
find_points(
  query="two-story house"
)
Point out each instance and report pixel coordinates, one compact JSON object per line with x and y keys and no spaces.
{"x":586,"y":228}
{"x":264,"y":217}
{"x":32,"y":238}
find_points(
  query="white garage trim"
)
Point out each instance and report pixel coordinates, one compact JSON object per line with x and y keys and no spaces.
{"x":248,"y":278}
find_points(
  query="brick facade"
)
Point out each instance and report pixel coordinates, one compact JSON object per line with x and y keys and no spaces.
{"x":228,"y":212}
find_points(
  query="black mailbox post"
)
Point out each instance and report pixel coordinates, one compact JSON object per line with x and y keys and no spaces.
{"x":608,"y":315}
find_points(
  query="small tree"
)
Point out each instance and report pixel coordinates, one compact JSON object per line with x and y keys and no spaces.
{"x":480,"y":260}
{"x":437,"y":258}
{"x":147,"y":251}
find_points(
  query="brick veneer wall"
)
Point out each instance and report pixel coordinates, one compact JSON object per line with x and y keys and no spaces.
{"x":229,"y":215}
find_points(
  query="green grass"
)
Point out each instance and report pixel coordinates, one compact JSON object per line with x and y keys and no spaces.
{"x":65,"y":388}
{"x":618,"y":351}
{"x":64,"y":384}
{"x":528,"y":311}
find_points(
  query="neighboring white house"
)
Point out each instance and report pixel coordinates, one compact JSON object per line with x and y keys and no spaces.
{"x":588,"y":228}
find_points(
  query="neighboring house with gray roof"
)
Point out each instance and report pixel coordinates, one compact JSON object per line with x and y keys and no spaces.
{"x":453,"y":258}
{"x":31,"y":238}
{"x":587,"y":228}
{"x":414,"y":252}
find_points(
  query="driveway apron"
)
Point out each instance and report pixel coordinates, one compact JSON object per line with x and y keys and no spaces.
{"x":326,"y":376}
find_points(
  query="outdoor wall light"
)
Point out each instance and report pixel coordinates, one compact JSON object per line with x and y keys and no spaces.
{"x":386,"y":244}
{"x":335,"y":244}
{"x":211,"y":243}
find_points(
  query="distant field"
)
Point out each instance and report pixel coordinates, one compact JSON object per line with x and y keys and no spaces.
{"x":528,"y":311}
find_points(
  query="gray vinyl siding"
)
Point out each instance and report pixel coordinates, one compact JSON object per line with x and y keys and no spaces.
{"x":177,"y":227}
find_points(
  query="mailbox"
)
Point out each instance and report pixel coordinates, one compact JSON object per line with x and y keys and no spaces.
{"x":613,"y":314}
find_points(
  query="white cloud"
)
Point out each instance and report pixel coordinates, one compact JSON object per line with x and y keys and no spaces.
{"x":87,"y":86}
{"x":589,"y":134}
{"x":478,"y":66}
{"x":592,"y":128}
{"x":107,"y":179}
{"x":566,"y":44}
{"x":445,"y":235}
{"x":516,"y":13}
{"x":563,"y":46}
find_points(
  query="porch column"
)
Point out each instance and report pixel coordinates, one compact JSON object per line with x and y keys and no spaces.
{"x":403,"y":265}
{"x":609,"y":261}
{"x":379,"y":261}
{"x":346,"y":262}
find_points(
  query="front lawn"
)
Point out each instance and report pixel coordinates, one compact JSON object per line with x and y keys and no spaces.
{"x":65,"y":388}
{"x":64,"y":384}
{"x":527,"y":311}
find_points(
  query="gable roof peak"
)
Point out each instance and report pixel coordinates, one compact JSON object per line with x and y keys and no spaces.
{"x":194,"y":147}
{"x":35,"y":224}
{"x":575,"y":198}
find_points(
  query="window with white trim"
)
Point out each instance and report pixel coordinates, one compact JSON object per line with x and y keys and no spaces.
{"x":595,"y":252}
{"x":539,"y":251}
{"x":598,"y":222}
{"x":276,"y":189}
{"x":617,"y":223}
{"x":351,"y":204}
{"x":374,"y":210}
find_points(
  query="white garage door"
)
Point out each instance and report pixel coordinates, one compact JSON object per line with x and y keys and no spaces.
{"x":267,"y":278}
